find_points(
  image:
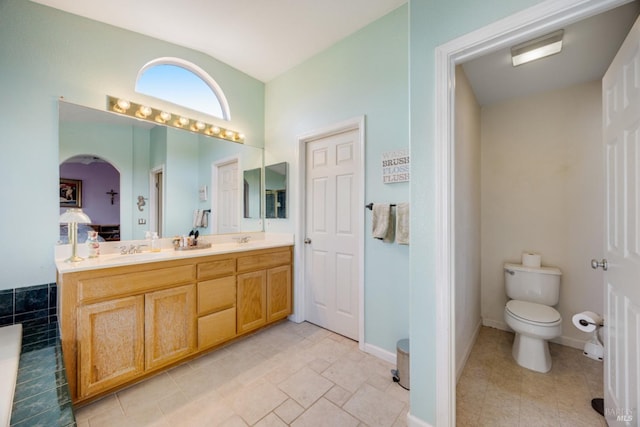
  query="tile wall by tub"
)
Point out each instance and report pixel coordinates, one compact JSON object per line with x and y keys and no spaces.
{"x":36,"y":308}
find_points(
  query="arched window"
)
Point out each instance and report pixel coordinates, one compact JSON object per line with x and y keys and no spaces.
{"x":183,"y":83}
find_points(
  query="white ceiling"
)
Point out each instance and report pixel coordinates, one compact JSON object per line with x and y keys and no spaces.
{"x":588,"y":48}
{"x":262,"y":38}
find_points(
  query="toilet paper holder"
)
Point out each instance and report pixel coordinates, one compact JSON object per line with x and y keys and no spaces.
{"x":583,"y":322}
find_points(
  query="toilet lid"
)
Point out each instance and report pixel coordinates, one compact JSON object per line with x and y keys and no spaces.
{"x":533,"y":312}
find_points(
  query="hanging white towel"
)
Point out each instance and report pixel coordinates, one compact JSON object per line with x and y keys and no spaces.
{"x":382,"y":225}
{"x":197,"y":218}
{"x":402,"y":223}
{"x":205,"y":219}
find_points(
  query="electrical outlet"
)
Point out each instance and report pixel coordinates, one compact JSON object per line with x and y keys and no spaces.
{"x":142,"y":221}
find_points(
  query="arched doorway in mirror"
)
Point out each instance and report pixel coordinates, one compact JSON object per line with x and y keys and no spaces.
{"x":97,"y":183}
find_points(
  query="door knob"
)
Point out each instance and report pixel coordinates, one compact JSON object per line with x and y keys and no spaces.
{"x":595,"y":264}
{"x":307,"y":241}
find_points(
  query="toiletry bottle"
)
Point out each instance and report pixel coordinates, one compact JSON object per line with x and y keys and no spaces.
{"x":92,"y":244}
{"x":155,"y":242}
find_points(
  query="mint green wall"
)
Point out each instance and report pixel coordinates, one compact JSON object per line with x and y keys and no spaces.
{"x":181,"y":182}
{"x":432,"y":23}
{"x":46,"y":54}
{"x":364,"y":74}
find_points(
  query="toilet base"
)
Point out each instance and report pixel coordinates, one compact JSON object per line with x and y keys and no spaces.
{"x":532,"y":353}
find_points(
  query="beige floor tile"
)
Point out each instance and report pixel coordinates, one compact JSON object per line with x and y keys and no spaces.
{"x":107,"y":403}
{"x":271,"y":420}
{"x":347,"y":374}
{"x":289,"y":411}
{"x":325,"y":414}
{"x":338,"y":395}
{"x":329,"y":349}
{"x":373,"y":407}
{"x":305,"y":386}
{"x":234,"y":421}
{"x":380,"y":382}
{"x":493,"y":390}
{"x":205,"y":411}
{"x":152,"y":389}
{"x":256,"y":400}
{"x":172,"y":403}
{"x":319,"y":365}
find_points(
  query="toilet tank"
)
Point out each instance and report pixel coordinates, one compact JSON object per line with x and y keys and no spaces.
{"x":534,"y":284}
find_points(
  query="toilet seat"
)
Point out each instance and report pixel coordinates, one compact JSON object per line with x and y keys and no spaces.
{"x":532,"y":313}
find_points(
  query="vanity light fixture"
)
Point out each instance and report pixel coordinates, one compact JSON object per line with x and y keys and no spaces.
{"x":537,"y":48}
{"x":163,"y":117}
{"x":122,"y":106}
{"x":198,"y":126}
{"x":72,"y":217}
{"x":181,"y":122}
{"x":144,"y":112}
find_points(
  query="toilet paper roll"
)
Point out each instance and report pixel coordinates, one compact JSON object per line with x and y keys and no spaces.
{"x":587,"y":321}
{"x":530,"y":259}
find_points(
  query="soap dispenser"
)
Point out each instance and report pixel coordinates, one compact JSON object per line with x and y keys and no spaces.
{"x":155,"y":242}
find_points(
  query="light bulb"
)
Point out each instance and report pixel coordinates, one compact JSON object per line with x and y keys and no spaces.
{"x":122,"y":105}
{"x":144,"y":111}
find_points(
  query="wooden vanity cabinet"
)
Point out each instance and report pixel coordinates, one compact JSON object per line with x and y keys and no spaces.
{"x":121,"y":324}
{"x":170,"y":325}
{"x":216,"y":302}
{"x":252,"y":300}
{"x":278,"y":292}
{"x":111,"y":343}
{"x":264,"y":288}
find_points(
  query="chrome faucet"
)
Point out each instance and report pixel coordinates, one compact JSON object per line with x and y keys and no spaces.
{"x":242,"y":239}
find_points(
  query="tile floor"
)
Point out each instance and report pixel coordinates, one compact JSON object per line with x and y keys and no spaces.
{"x":494,"y":391}
{"x":289,"y":374}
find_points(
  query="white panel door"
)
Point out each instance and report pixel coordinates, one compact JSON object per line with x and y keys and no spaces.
{"x":621,"y":123}
{"x":332,"y":252}
{"x":228,"y":199}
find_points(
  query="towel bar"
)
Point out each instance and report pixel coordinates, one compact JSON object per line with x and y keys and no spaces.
{"x":370,"y":206}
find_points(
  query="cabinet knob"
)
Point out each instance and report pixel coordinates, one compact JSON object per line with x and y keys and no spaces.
{"x":307,"y":241}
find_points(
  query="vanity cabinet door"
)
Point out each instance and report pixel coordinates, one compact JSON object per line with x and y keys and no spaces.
{"x":170,"y":325}
{"x":278,"y":292}
{"x":252,"y":300}
{"x":111,"y":343}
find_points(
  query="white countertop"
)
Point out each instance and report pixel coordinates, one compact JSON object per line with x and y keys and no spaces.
{"x":112,"y":259}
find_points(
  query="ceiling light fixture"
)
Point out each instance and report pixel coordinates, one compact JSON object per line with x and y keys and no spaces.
{"x":144,"y":112}
{"x":540,"y":47}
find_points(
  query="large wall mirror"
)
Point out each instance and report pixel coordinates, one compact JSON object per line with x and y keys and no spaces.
{"x":275,"y":195}
{"x":164,"y":175}
{"x":252,"y":193}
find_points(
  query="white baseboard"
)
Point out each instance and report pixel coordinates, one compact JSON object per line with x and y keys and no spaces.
{"x":416,"y":422}
{"x":467,"y":351}
{"x":563,"y":340}
{"x":497,"y":324}
{"x":380,"y":353}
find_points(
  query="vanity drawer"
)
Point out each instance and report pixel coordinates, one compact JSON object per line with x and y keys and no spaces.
{"x":107,"y":286}
{"x":216,"y":328}
{"x":216,"y":268}
{"x":264,"y":260}
{"x":216,"y":294}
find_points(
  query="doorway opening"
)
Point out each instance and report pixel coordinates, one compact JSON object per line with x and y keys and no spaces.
{"x":525,"y":25}
{"x":91,"y":183}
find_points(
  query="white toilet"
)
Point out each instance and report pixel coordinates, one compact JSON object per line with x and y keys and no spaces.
{"x":533,"y":290}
